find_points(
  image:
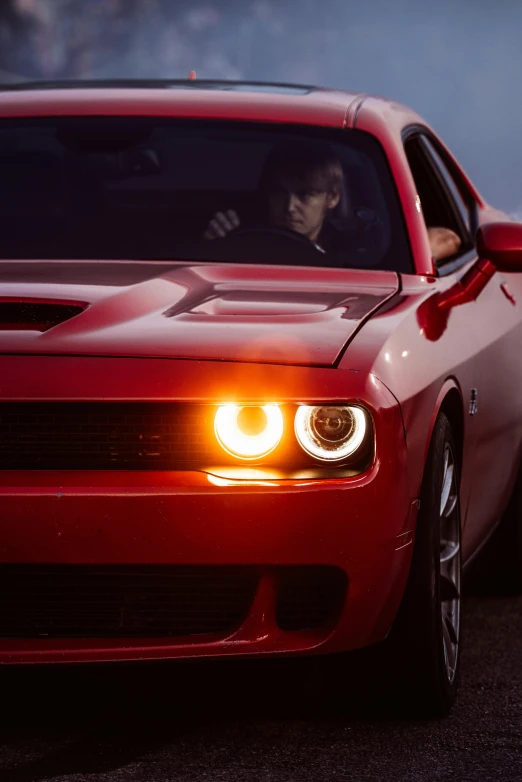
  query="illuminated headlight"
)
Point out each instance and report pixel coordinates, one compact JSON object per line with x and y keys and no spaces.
{"x":248,"y":432}
{"x":330,"y":433}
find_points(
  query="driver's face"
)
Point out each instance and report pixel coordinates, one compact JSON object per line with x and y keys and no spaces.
{"x":303,"y":212}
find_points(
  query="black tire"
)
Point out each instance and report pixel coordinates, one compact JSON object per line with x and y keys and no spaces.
{"x":423,"y":638}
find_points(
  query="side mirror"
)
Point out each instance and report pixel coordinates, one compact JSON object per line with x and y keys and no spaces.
{"x":501,"y":244}
{"x":499,"y":248}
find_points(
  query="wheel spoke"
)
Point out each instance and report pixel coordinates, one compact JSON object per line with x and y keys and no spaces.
{"x":448,"y":551}
{"x":451,"y":630}
{"x":449,"y":590}
{"x":451,"y":502}
{"x":447,"y":483}
{"x":450,"y":649}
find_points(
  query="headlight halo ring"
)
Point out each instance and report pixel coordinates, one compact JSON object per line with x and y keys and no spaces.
{"x":317,"y":446}
{"x":244,"y":446}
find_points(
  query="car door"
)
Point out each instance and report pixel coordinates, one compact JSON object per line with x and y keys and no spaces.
{"x":491,"y":327}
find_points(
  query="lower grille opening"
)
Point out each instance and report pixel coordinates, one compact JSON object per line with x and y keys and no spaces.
{"x":83,"y":601}
{"x":310,"y":597}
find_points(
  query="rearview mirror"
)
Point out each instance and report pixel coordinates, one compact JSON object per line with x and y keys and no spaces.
{"x":501,"y":243}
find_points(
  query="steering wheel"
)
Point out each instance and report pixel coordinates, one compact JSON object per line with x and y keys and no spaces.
{"x":260,"y":243}
{"x":269,"y":230}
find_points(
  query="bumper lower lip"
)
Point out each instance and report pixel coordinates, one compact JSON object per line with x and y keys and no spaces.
{"x":165,"y":518}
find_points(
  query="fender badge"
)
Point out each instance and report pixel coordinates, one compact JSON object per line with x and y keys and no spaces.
{"x":473,"y":404}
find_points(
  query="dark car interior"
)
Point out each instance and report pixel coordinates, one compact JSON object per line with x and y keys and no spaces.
{"x":116,"y":188}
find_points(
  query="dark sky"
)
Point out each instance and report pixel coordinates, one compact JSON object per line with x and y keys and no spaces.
{"x":457,"y":62}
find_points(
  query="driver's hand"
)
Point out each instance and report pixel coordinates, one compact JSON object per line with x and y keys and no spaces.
{"x":221,"y":224}
{"x":444,"y":242}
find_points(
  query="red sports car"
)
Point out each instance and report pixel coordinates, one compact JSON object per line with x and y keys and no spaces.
{"x":259,"y":377}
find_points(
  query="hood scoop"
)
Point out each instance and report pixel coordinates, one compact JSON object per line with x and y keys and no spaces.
{"x":36,"y":314}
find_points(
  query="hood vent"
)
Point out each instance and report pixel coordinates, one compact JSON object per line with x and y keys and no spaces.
{"x":31,"y":315}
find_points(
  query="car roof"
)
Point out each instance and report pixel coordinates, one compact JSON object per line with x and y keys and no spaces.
{"x":256,"y":101}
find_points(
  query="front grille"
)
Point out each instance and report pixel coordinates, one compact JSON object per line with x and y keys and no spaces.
{"x":106,"y":435}
{"x":83,"y":601}
{"x":310,"y":597}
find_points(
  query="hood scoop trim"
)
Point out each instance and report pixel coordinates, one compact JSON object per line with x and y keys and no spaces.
{"x":36,"y":314}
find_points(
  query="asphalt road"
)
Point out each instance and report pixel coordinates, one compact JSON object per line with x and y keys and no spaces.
{"x":256,"y":721}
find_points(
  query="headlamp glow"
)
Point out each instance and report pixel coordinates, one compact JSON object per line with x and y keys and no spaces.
{"x":248,"y":431}
{"x":330,"y":433}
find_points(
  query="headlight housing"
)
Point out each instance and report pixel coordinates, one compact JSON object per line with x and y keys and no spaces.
{"x":248,"y":431}
{"x":331,"y":433}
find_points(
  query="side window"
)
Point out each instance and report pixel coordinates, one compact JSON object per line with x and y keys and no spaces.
{"x":466,"y":212}
{"x":442,"y":205}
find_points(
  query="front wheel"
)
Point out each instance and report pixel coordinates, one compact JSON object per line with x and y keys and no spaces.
{"x":424,"y":643}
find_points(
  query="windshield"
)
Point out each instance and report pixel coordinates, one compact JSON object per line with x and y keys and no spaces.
{"x":136,"y":188}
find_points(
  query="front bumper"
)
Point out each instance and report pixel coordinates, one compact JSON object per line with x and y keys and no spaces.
{"x":361,"y":525}
{"x":185,"y":519}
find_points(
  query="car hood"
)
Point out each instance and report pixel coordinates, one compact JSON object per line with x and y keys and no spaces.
{"x":231,"y":312}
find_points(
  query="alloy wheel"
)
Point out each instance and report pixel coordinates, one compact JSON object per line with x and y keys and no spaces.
{"x":450,"y":570}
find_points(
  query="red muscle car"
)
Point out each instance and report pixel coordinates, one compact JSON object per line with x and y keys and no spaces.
{"x":259,"y":377}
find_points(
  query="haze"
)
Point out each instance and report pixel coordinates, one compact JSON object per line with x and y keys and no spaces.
{"x":459,"y":64}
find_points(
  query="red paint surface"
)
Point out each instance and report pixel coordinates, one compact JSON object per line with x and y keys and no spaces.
{"x":203,"y":311}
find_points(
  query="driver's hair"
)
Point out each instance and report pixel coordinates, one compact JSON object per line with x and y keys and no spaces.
{"x":302,"y":166}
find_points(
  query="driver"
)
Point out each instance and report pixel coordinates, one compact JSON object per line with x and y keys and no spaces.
{"x":303,"y":183}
